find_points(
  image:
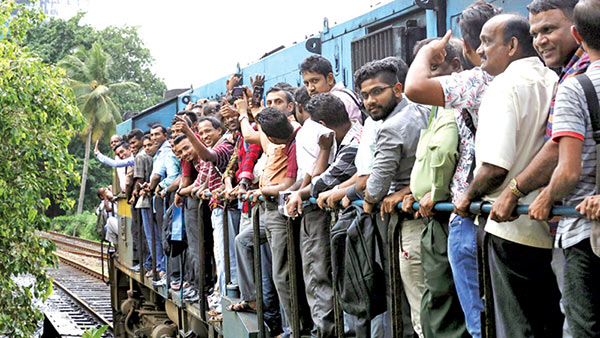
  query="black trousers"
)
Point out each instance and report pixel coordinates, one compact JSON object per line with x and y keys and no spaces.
{"x":525,"y":292}
{"x":582,"y":290}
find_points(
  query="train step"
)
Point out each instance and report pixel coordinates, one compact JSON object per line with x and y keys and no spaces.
{"x":239,"y":324}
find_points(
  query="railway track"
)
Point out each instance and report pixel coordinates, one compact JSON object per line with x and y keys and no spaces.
{"x":79,"y":302}
{"x":80,"y":299}
{"x":73,"y":244}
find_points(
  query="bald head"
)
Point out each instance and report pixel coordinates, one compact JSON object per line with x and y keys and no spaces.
{"x":504,"y":39}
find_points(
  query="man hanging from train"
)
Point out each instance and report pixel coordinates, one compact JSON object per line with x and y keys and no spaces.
{"x":436,"y":158}
{"x":272,"y":225}
{"x":463,"y":92}
{"x":165,"y":170}
{"x":317,"y":75}
{"x":575,"y":179}
{"x":210,"y":162}
{"x":395,"y":144}
{"x":329,"y":111}
{"x":512,"y":119}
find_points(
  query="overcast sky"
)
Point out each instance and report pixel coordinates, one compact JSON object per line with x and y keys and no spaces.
{"x":195,"y":42}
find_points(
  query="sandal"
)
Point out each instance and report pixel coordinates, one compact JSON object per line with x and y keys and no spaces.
{"x":175,"y":285}
{"x":218,"y":318}
{"x":242,"y":306}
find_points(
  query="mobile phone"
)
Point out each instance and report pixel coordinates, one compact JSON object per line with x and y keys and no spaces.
{"x":237,"y":92}
{"x":257,"y":94}
{"x":283,"y":196}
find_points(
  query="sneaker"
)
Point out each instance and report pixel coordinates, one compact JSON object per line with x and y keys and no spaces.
{"x":191,"y":296}
{"x":160,"y":282}
{"x":135,"y":268}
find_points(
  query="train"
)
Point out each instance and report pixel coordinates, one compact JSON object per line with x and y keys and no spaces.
{"x":143,"y":310}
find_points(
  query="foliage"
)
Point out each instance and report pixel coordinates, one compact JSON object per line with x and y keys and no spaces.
{"x":83,"y":225}
{"x":95,"y":332}
{"x":38,"y":117}
{"x":54,"y":39}
{"x":87,"y":75}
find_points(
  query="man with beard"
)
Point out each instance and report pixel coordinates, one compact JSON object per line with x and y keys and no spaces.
{"x":395,"y":147}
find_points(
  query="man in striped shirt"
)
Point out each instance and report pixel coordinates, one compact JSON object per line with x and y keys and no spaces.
{"x":574,"y":179}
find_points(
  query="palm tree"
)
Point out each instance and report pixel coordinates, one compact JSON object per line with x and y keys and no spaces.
{"x":87,"y":75}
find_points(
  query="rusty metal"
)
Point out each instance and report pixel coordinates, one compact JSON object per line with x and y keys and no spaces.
{"x":258,"y":271}
{"x":226,"y":247}
{"x":293,"y":280}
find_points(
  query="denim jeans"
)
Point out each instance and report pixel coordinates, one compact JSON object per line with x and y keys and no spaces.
{"x":149,"y":226}
{"x":219,"y":251}
{"x":582,"y":290}
{"x":462,"y":254}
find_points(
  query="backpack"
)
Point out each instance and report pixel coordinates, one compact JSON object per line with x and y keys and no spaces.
{"x":363,"y":291}
{"x":101,"y":221}
{"x":338,"y":244}
{"x":594,"y":108}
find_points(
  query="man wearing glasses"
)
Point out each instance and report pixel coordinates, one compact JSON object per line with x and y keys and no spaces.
{"x":395,"y":145}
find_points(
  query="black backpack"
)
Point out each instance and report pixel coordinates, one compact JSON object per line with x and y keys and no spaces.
{"x":363,"y":292}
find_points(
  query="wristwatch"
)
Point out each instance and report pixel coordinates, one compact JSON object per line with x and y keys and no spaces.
{"x":514,"y":187}
{"x":241,"y":117}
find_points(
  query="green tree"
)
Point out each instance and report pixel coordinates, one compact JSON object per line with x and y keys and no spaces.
{"x":38,"y":117}
{"x":56,"y":38}
{"x":87,"y":75}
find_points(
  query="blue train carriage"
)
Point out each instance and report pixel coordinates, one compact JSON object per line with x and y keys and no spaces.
{"x":392,"y":29}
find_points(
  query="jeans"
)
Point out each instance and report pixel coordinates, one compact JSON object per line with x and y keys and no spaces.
{"x":149,"y":226}
{"x":462,"y":254}
{"x":219,"y":250}
{"x":582,"y":290}
{"x":525,"y":292}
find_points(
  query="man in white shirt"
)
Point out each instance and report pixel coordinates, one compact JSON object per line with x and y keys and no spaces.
{"x":512,"y":120}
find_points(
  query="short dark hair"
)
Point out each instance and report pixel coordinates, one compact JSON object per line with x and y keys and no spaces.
{"x":472,"y":19}
{"x":137,"y":133}
{"x":123,"y":144}
{"x":211,"y":107}
{"x":179,"y":138}
{"x":190,"y":114}
{"x":566,"y":6}
{"x":158,"y":125}
{"x":147,"y":137}
{"x":301,"y":96}
{"x":400,"y":65}
{"x":453,"y":49}
{"x":586,"y":16}
{"x":274,"y":123}
{"x":517,"y":26}
{"x":328,"y":108}
{"x":215,"y":123}
{"x":284,"y":86}
{"x":288,"y":95}
{"x":187,"y":119}
{"x":386,"y":71}
{"x":316,"y":64}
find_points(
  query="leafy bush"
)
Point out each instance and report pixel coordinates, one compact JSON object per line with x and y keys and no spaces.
{"x":83,"y":225}
{"x":38,"y":117}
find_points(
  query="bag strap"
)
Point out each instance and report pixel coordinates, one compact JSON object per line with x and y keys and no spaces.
{"x":469,"y":121}
{"x":357,"y":102}
{"x":592,"y":100}
{"x":594,"y":108}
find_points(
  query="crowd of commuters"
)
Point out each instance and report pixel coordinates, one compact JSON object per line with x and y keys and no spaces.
{"x":501,"y":115}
